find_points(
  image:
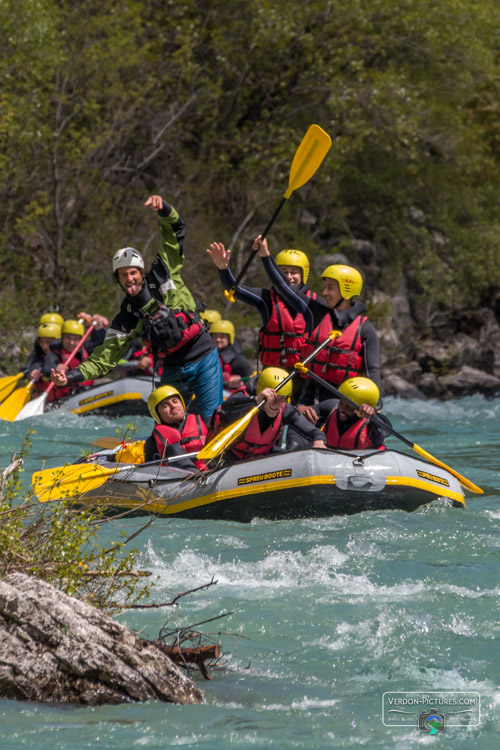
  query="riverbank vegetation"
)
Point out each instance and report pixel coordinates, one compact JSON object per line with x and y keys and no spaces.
{"x":59,"y":543}
{"x":102,"y":104}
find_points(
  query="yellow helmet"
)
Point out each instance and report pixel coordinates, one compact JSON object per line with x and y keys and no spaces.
{"x":51,"y":317}
{"x":49,"y":331}
{"x":74,"y":327}
{"x":211,"y":316}
{"x":294,"y":258}
{"x":271,"y":377}
{"x":223,"y":326}
{"x":159,"y":395}
{"x":361,"y":390}
{"x":349,"y":279}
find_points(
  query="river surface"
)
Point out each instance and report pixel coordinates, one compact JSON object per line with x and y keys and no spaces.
{"x":333,"y":613}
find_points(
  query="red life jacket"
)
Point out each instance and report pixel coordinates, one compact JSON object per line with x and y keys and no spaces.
{"x":226,"y":368}
{"x":282,"y":339}
{"x":41,"y":386}
{"x":355,"y":437}
{"x":256,"y":443}
{"x":61,"y":391}
{"x":191,"y":435}
{"x":342,"y":358}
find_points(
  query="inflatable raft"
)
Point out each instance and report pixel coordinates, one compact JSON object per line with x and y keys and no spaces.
{"x":114,"y":398}
{"x":299,"y":484}
{"x":128,"y":395}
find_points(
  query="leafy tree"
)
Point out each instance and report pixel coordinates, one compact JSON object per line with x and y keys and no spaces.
{"x":59,"y":543}
{"x":102,"y":104}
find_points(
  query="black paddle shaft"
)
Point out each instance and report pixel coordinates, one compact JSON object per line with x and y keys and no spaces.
{"x":307,"y":359}
{"x":254,"y":252}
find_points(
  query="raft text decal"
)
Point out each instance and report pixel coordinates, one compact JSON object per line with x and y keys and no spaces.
{"x":95,"y":398}
{"x":264,"y":477}
{"x":433,"y":477}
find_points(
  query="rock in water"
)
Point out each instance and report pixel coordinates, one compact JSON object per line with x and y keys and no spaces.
{"x":56,"y":648}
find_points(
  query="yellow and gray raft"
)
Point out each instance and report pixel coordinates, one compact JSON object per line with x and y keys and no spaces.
{"x":120,"y":397}
{"x":300,"y":484}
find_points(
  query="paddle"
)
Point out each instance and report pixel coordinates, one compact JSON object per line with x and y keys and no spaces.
{"x":221,"y":441}
{"x":380,"y":422}
{"x":36,"y":407}
{"x":106,"y":442}
{"x":15,"y":402}
{"x":77,"y":479}
{"x":309,"y":155}
{"x":8,"y":384}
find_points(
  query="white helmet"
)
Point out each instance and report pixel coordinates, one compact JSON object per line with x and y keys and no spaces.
{"x":127,"y":256}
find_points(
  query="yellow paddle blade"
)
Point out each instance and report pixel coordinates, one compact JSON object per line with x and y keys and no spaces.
{"x":69,"y":481}
{"x":8,"y":384}
{"x":463,"y":480}
{"x":15,"y":402}
{"x":221,"y":441}
{"x":106,"y":442}
{"x":309,"y":155}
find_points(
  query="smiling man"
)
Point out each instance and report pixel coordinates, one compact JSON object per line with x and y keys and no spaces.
{"x":175,"y":432}
{"x":159,"y":308}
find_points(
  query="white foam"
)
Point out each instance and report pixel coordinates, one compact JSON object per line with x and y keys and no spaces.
{"x":278,"y":569}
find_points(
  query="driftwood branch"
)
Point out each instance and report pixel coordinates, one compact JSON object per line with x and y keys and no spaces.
{"x":194,"y":655}
{"x":174,"y":600}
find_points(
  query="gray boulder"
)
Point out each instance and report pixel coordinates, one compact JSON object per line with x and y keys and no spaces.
{"x":469,"y":380}
{"x":57,"y":648}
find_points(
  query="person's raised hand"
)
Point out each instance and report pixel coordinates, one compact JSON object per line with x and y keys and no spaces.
{"x":260,"y":246}
{"x":155,"y":201}
{"x":219,"y":255}
{"x":266,"y":394}
{"x":58,"y":376}
{"x":365,"y":410}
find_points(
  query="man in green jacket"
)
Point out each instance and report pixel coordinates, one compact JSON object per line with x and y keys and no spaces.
{"x":159,"y":307}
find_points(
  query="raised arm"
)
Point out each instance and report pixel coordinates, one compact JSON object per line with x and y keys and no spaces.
{"x":176,"y":294}
{"x":253,"y":296}
{"x":371,"y":352}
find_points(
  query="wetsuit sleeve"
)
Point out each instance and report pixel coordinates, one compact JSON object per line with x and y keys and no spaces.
{"x":371,"y":352}
{"x":241,"y":366}
{"x":376,"y":432}
{"x":297,"y":300}
{"x":234,"y":408}
{"x":173,"y":230}
{"x":294,"y":419}
{"x":34,"y":362}
{"x":119,"y":336}
{"x":324,"y":408}
{"x":49,"y":363}
{"x":254,"y":296}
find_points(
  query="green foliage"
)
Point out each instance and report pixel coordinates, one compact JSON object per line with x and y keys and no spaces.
{"x":59,"y":544}
{"x":103,"y":103}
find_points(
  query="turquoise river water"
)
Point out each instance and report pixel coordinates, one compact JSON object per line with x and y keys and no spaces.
{"x":333,"y":613}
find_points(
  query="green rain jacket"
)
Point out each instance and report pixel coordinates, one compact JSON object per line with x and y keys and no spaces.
{"x":128,"y":324}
